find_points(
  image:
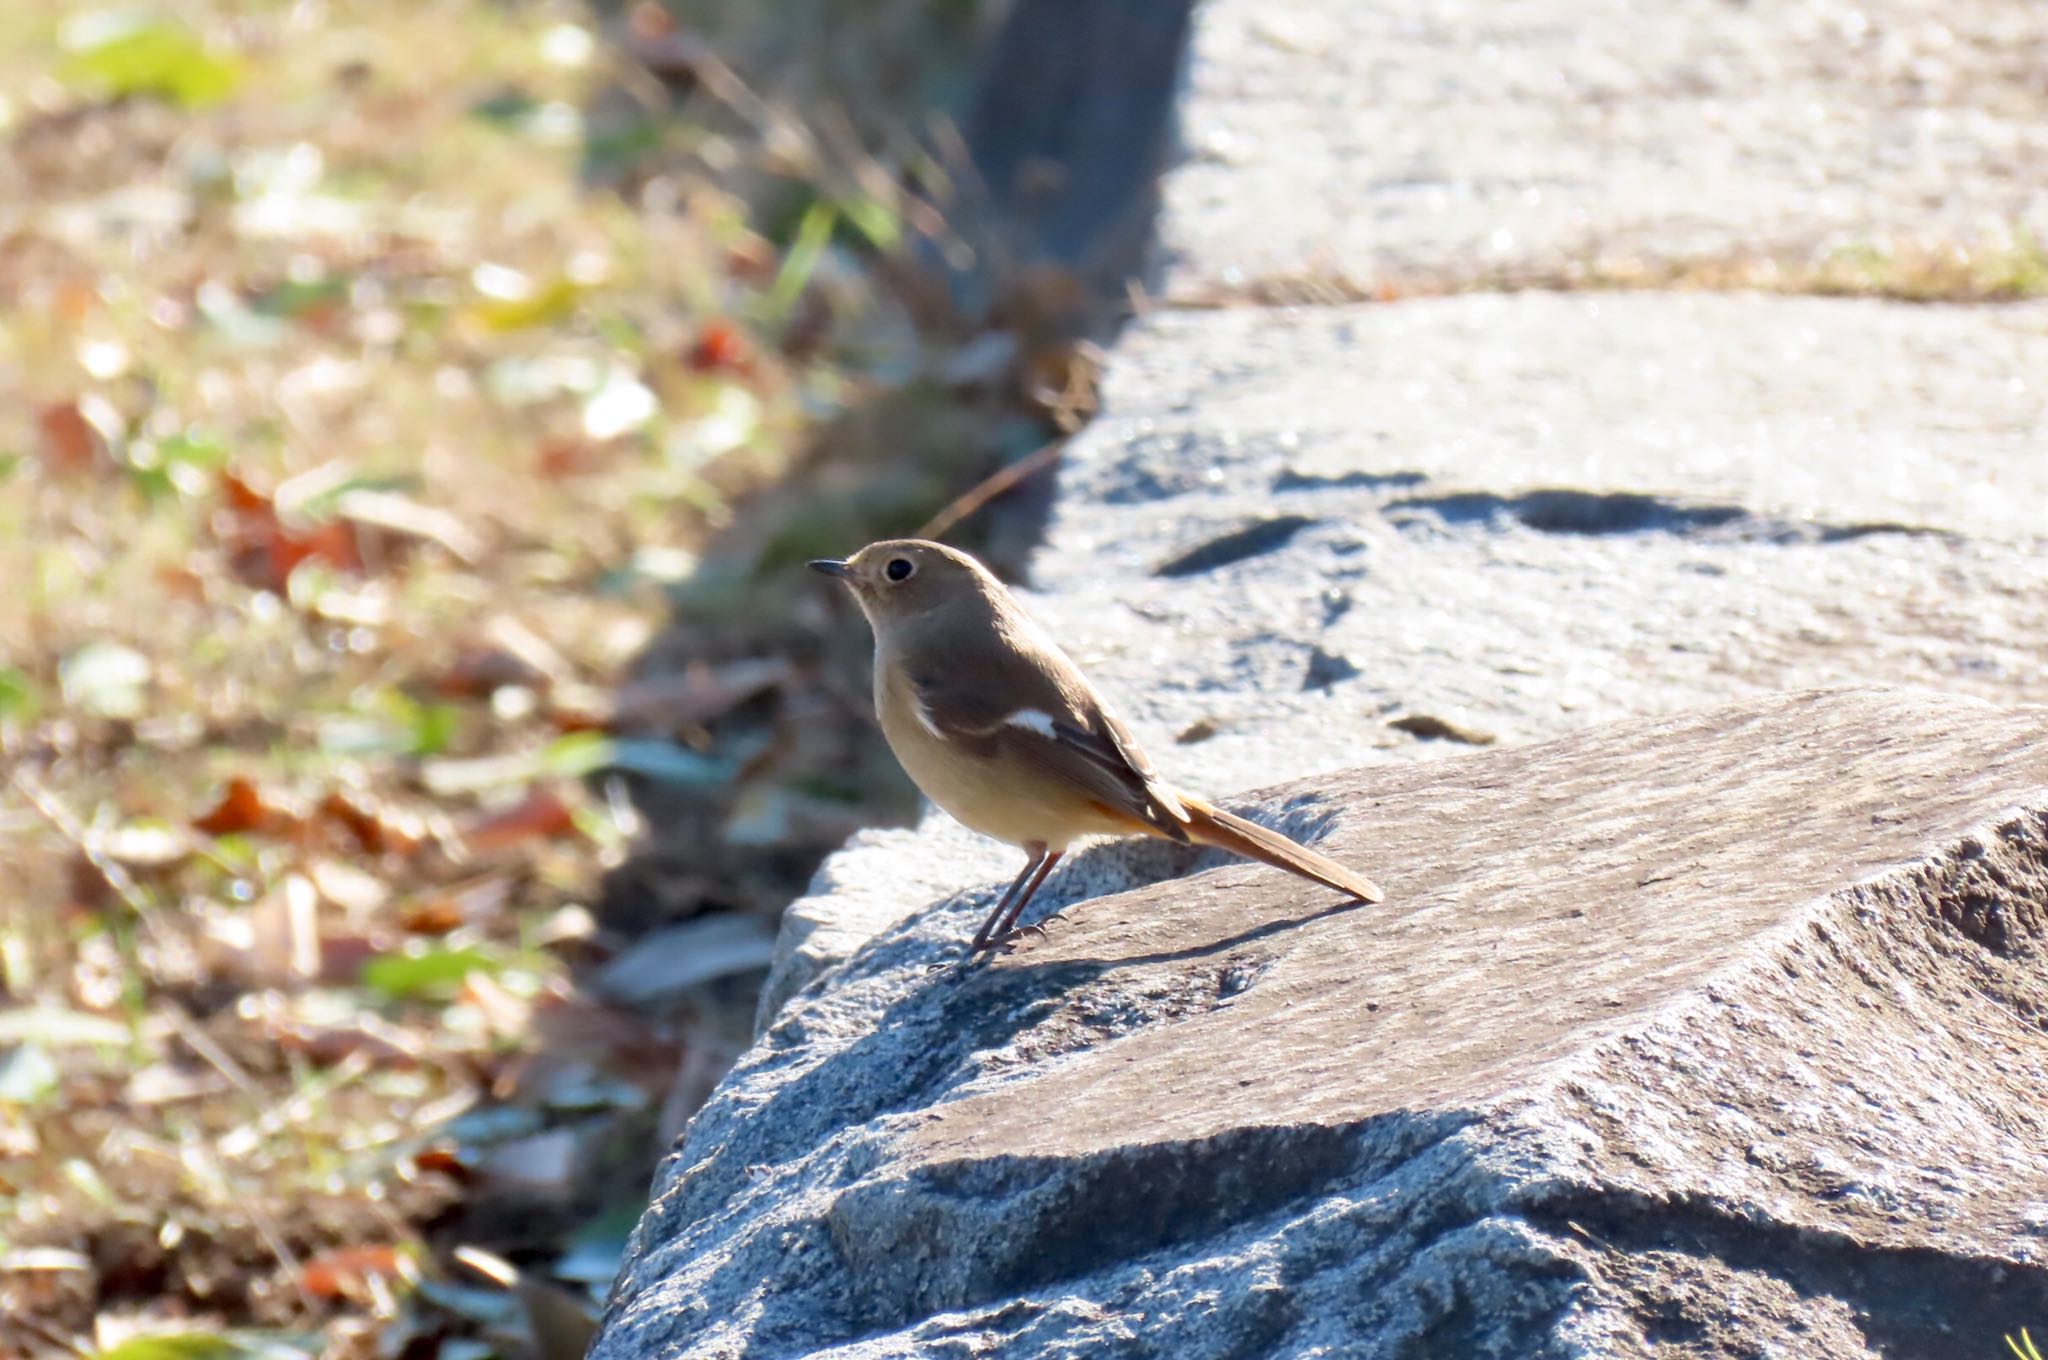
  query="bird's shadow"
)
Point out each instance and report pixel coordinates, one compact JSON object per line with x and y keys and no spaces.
{"x":1016,"y":958}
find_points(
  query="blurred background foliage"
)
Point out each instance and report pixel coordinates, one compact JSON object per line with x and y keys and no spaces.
{"x":410,"y":725}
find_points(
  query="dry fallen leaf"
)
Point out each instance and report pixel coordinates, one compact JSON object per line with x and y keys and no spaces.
{"x":563,"y":458}
{"x":431,"y":916}
{"x":357,"y":1274}
{"x":242,"y":808}
{"x":541,"y":815}
{"x":477,"y":902}
{"x":69,"y":442}
{"x":441,"y":1159}
{"x":241,"y":495}
{"x":721,"y":348}
{"x":263,"y":550}
{"x":479,"y":672}
{"x":378,"y":829}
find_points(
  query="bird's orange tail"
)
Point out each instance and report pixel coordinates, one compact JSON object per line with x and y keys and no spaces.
{"x":1214,"y":826}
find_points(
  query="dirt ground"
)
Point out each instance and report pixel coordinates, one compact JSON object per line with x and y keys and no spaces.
{"x":408,"y":414}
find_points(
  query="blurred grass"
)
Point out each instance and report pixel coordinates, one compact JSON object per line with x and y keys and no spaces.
{"x":374,"y":382}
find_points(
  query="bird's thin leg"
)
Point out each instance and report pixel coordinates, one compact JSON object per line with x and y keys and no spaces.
{"x":1036,"y":849}
{"x":1009,"y":920}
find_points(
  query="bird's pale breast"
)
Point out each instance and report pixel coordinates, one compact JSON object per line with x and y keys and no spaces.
{"x":995,"y":794}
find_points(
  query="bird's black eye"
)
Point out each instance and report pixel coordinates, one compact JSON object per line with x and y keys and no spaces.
{"x":899,"y":569}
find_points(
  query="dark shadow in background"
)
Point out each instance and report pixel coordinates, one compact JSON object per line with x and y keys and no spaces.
{"x":1071,"y":127}
{"x":1068,"y":127}
{"x":1066,"y":130}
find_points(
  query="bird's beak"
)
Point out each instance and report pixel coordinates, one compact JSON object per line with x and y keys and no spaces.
{"x":833,"y":567}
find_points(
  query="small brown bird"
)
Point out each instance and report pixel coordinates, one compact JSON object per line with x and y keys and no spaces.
{"x":1001,"y":730}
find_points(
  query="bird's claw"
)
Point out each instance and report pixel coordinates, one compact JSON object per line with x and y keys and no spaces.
{"x":959,"y":967}
{"x":1005,"y":943}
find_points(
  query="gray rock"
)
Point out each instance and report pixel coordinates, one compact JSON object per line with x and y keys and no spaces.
{"x":1718,"y":1032}
{"x":1700,"y":1018}
{"x":1416,"y":140}
{"x":1524,"y":515}
{"x":1801,"y":418}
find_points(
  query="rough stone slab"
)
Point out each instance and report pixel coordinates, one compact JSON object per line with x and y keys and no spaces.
{"x":1415,"y":138}
{"x":1721,"y":1031}
{"x":1828,"y":417}
{"x":873,"y":881}
{"x":1540,"y":512}
{"x":1523,"y":515}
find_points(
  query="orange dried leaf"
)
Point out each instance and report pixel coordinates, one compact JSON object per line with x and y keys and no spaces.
{"x":441,"y":1160}
{"x":333,"y":543}
{"x":264,"y":551}
{"x":69,"y":443}
{"x":720,"y":348}
{"x":347,"y":1272}
{"x":181,"y":583}
{"x":563,"y":458}
{"x":241,"y":808}
{"x":376,"y":829}
{"x":432,"y":916}
{"x":241,"y":495}
{"x":75,"y":299}
{"x":541,"y":815}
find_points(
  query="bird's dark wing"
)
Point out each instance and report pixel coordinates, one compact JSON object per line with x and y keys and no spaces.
{"x":1049,"y":718}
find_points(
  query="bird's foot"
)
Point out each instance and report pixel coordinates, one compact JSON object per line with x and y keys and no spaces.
{"x":1039,"y":927}
{"x":1008,"y":941}
{"x":961,"y":966}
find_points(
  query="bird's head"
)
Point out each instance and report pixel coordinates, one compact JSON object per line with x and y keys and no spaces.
{"x":901,"y":580}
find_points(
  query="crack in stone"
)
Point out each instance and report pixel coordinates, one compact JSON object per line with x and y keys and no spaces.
{"x":1252,"y":540}
{"x":1598,"y":513}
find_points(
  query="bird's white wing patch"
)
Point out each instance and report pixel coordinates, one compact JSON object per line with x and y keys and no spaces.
{"x":1033,"y":720}
{"x":924,"y":715}
{"x":1101,"y":750}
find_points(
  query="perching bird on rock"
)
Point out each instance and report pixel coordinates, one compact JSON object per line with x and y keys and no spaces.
{"x":1000,"y":729}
